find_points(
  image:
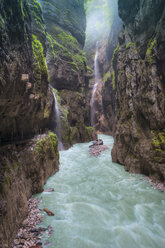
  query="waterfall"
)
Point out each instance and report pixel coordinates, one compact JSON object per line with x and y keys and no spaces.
{"x":96,"y":74}
{"x":58,"y":120}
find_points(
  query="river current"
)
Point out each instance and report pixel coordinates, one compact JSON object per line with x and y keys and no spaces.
{"x":97,"y":204}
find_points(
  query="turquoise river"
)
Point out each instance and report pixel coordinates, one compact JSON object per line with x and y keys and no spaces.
{"x":97,"y":204}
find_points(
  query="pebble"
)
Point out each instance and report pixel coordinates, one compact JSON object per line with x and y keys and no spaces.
{"x":28,"y":234}
{"x":96,"y":150}
{"x":156,"y":185}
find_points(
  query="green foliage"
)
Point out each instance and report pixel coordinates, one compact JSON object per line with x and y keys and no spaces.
{"x":113,"y":80}
{"x":158,"y":139}
{"x":128,"y":45}
{"x":37,"y":14}
{"x":39,"y":65}
{"x":89,"y":131}
{"x":89,"y":69}
{"x":80,"y":60}
{"x":48,"y":144}
{"x":65,"y":47}
{"x":106,"y":76}
{"x":67,"y":40}
{"x":20,"y":4}
{"x":149,"y":50}
{"x":112,"y":66}
{"x":114,"y":54}
{"x":46,"y":112}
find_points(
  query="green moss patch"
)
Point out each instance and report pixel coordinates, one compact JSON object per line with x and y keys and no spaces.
{"x":39,"y":65}
{"x":36,"y":12}
{"x":47,"y":146}
{"x":128,"y":45}
{"x":106,"y":76}
{"x":149,"y":55}
{"x":158,"y":140}
{"x":89,"y":131}
{"x":64,"y":46}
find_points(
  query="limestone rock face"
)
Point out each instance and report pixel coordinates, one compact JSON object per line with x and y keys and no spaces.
{"x":140,"y":92}
{"x":24,"y":169}
{"x":68,"y":14}
{"x":24,"y":89}
{"x":104,"y":100}
{"x":27,"y":102}
{"x":67,"y":65}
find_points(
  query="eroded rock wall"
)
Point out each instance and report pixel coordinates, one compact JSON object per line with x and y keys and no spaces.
{"x":104,"y":36}
{"x":24,"y":169}
{"x":140,"y":89}
{"x":26,"y":101}
{"x":67,"y":65}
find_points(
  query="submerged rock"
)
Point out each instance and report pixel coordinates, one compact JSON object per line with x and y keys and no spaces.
{"x":49,"y":190}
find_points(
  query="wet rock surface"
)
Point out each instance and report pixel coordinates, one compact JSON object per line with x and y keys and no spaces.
{"x":97,"y":148}
{"x":139,"y":140}
{"x":24,"y":91}
{"x":24,"y":170}
{"x":28,"y":234}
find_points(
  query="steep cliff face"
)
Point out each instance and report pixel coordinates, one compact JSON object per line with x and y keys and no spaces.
{"x":67,"y":14}
{"x":140,"y":96}
{"x":67,"y":65}
{"x":26,"y":104}
{"x":103,"y":34}
{"x":24,"y":91}
{"x":24,"y":169}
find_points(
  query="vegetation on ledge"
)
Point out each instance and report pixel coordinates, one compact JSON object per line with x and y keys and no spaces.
{"x":63,"y":46}
{"x":48,"y":144}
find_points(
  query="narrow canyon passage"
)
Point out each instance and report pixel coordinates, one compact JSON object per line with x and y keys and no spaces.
{"x":97,"y":204}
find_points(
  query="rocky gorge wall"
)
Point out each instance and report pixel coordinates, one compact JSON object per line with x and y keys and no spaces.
{"x":24,"y":92}
{"x":65,"y":23}
{"x":139,"y":76}
{"x":36,"y":50}
{"x":103,"y":35}
{"x":24,"y":169}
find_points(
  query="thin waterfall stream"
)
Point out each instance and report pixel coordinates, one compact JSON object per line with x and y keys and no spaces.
{"x":96,"y":75}
{"x":58,"y":120}
{"x":97,"y":204}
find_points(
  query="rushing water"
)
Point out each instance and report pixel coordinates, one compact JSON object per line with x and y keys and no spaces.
{"x":97,"y":204}
{"x":96,"y":74}
{"x":58,"y":120}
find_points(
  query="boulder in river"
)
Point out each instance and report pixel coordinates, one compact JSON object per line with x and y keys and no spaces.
{"x":97,"y":148}
{"x":97,"y":142}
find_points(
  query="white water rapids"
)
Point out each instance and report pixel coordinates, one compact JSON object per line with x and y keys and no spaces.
{"x":97,"y":204}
